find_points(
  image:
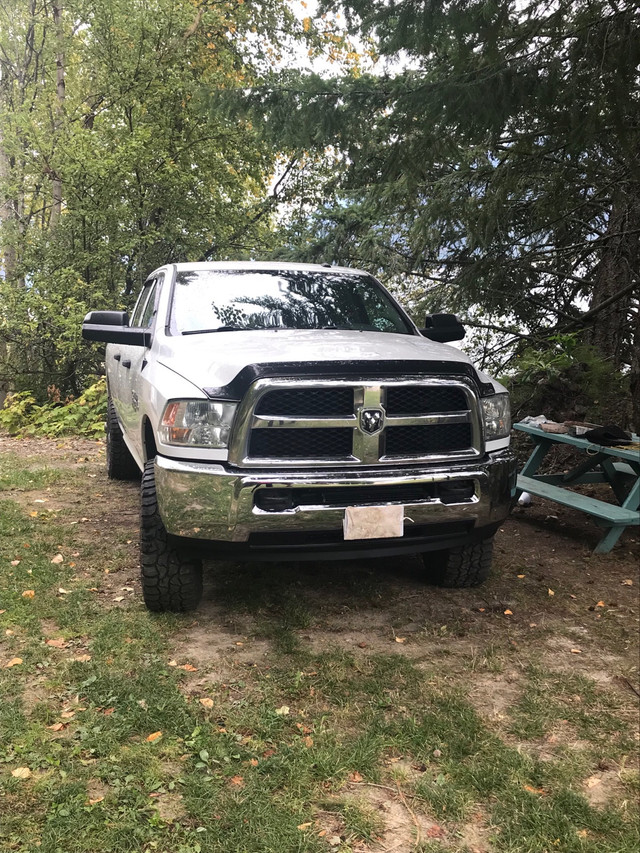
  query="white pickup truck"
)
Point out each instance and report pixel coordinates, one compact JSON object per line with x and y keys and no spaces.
{"x":288,"y":411}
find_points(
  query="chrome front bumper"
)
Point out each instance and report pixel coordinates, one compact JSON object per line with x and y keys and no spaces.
{"x":205,"y":501}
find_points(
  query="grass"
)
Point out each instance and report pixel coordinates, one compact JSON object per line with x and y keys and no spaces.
{"x":285,"y":751}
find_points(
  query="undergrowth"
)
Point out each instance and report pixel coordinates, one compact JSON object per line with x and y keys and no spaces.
{"x":84,"y":415}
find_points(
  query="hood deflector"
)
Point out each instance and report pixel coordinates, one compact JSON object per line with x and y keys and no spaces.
{"x":364,"y":370}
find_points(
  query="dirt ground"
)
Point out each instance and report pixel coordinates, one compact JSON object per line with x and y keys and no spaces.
{"x":545,"y":577}
{"x":550,"y":602}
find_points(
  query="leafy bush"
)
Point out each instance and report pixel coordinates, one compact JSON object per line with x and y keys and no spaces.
{"x":85,"y":415}
{"x":569,"y":380}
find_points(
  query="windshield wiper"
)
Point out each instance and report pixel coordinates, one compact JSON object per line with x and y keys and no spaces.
{"x":232,"y":328}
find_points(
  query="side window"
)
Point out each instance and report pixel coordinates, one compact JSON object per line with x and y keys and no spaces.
{"x":141,"y":304}
{"x":149,"y":308}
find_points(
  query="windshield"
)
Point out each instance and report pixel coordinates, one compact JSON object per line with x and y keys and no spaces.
{"x":238,"y":300}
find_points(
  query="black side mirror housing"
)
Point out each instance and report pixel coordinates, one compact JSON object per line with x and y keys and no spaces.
{"x":112,"y":327}
{"x":443,"y":328}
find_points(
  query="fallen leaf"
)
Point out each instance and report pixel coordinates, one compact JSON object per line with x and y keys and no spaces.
{"x":520,"y":576}
{"x":334,"y":841}
{"x":173,"y":663}
{"x":2,"y":611}
{"x":21,"y":773}
{"x":253,"y":762}
{"x":355,"y":777}
{"x":58,"y":643}
{"x":13,"y":662}
{"x":62,"y":591}
{"x":109,"y":711}
{"x":533,"y":624}
{"x":34,"y":514}
{"x":8,"y":632}
{"x":436,"y":753}
{"x":582,"y":833}
{"x":362,"y":645}
{"x":308,"y":741}
{"x":305,"y":825}
{"x":41,"y":500}
{"x":508,"y":612}
{"x":82,"y":658}
{"x":95,"y":800}
{"x":435,"y":831}
{"x":154,"y":736}
{"x":600,"y":604}
{"x":627,"y":582}
{"x":401,"y":639}
{"x":126,"y":588}
{"x":480,"y":609}
{"x":15,"y":562}
{"x":188,"y":668}
{"x":282,"y":711}
{"x":576,"y":651}
{"x":550,"y":592}
{"x":239,"y":643}
{"x":119,"y":598}
{"x":322,"y":833}
{"x":58,"y":559}
{"x":574,"y":597}
{"x":28,"y":593}
{"x":237,"y":781}
{"x":533,"y":790}
{"x":56,"y":727}
{"x":592,"y":781}
{"x":68,"y":715}
{"x":206,"y":702}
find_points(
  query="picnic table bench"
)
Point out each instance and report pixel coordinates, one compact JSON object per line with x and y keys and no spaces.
{"x":617,"y":466}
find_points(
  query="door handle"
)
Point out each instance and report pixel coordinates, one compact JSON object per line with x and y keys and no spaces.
{"x":117,"y":357}
{"x":126,"y":363}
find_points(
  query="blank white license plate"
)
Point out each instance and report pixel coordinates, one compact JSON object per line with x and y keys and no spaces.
{"x":373,"y":522}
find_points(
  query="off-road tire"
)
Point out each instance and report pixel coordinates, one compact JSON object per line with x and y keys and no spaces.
{"x":120,"y":463}
{"x":171,"y":580}
{"x":468,"y":565}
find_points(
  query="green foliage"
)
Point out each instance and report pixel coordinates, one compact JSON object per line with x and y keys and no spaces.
{"x":568,"y":380}
{"x":85,"y":415}
{"x":147,"y":174}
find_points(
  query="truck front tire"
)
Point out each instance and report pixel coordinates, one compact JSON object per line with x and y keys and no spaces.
{"x":170,"y":580}
{"x":120,"y":463}
{"x":468,"y":565}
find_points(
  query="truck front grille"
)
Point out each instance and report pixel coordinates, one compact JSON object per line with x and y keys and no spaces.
{"x":420,"y":400}
{"x":301,"y":443}
{"x":307,"y":403}
{"x":421,"y":440}
{"x":298,"y":422}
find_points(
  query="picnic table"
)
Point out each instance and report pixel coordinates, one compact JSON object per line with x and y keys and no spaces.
{"x":617,"y":466}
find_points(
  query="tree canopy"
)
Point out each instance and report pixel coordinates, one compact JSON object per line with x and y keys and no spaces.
{"x":480,"y":157}
{"x":494,"y":171}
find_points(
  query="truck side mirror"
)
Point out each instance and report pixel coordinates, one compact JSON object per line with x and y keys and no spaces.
{"x":443,"y":328}
{"x":112,"y":327}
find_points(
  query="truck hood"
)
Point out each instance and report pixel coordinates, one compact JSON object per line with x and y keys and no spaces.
{"x":214,"y":359}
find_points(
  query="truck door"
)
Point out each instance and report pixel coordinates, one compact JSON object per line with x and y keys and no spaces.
{"x":131,"y":362}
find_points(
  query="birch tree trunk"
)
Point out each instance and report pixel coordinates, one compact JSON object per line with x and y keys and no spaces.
{"x":56,"y":186}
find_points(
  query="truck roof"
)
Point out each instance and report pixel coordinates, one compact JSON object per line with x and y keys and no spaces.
{"x":262,"y":265}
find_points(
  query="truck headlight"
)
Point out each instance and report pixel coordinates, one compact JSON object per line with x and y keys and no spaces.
{"x":197,"y":423}
{"x":496,"y":413}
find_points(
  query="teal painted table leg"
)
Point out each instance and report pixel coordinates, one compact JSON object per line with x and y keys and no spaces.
{"x":632,"y":501}
{"x":534,"y":461}
{"x":609,"y":540}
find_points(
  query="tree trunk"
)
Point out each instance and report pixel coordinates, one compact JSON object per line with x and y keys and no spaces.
{"x":617,"y":272}
{"x":56,"y":186}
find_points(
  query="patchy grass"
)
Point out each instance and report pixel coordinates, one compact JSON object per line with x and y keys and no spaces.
{"x":302,"y":709}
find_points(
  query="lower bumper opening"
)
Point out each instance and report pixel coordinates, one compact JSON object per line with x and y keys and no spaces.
{"x":279,"y":499}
